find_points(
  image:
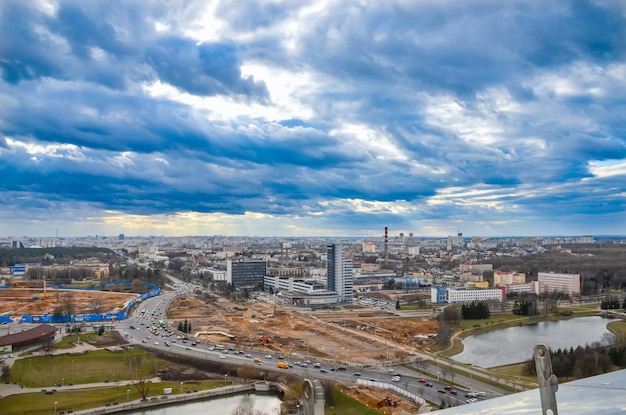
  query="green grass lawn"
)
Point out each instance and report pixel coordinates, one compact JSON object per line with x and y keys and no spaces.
{"x":41,"y":403}
{"x":345,"y":405}
{"x":94,"y":366}
{"x":67,"y":342}
{"x":618,"y":327}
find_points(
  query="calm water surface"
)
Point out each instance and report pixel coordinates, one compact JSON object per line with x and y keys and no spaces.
{"x":516,"y":344}
{"x":266,"y":404}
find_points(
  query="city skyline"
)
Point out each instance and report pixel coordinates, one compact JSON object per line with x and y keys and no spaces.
{"x":318,"y":119}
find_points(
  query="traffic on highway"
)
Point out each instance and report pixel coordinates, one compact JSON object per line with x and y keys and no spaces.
{"x":148,"y":325}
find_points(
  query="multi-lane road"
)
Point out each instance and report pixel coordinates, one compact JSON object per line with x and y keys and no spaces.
{"x":142,"y":327}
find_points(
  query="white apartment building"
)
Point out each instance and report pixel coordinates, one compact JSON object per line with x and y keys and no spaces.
{"x":440,"y":295}
{"x":293,"y":285}
{"x":369,"y":247}
{"x":568,"y":283}
{"x":476,"y":267}
{"x":414,"y":250}
{"x":507,"y":278}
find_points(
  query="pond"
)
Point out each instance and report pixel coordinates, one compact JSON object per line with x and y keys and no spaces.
{"x":516,"y":344}
{"x":265,"y":404}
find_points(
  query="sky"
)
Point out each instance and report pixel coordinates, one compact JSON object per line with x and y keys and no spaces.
{"x":312,"y":118}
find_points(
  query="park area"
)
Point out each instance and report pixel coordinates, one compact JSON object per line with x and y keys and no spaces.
{"x":57,"y":378}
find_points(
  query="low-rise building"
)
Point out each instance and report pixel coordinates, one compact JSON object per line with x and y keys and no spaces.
{"x":443,"y":295}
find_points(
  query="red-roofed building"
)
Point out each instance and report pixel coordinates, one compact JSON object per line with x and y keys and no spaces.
{"x":24,"y":338}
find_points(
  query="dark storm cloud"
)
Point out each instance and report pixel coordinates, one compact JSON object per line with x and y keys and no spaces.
{"x":67,"y":46}
{"x":406,"y":100}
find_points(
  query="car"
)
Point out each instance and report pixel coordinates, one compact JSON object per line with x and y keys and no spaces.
{"x":308,"y":362}
{"x":156,"y":343}
{"x":483,"y":394}
{"x":453,"y":392}
{"x":303,"y":364}
{"x":317,"y":365}
{"x":448,"y":387}
{"x":222,"y":356}
{"x":341,"y":369}
{"x":395,"y":379}
{"x":268,"y":356}
{"x":430,"y":385}
{"x":332,"y":369}
{"x":471,"y":400}
{"x":249,"y":356}
{"x":323,"y":371}
{"x":421,"y":380}
{"x":356,"y":374}
{"x":441,"y":391}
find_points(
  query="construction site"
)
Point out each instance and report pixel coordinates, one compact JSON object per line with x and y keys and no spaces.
{"x":40,"y":300}
{"x":350,"y":337}
{"x":339,"y":337}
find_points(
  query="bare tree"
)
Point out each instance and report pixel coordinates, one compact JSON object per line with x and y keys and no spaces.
{"x":143,"y":388}
{"x":329,"y":392}
{"x":242,"y":410}
{"x":69,"y":306}
{"x":47,"y":345}
{"x":5,"y":371}
{"x":444,"y":372}
{"x":97,"y":305}
{"x":445,"y":333}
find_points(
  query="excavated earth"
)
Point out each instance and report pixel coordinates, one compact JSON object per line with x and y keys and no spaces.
{"x":357,"y":337}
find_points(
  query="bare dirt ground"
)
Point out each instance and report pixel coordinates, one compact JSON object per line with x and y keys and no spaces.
{"x":22,"y":301}
{"x":358,"y":337}
{"x":382,"y":400}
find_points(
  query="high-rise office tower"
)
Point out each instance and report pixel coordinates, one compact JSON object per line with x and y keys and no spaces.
{"x":339,"y":269}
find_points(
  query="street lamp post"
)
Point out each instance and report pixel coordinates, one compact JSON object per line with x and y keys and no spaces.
{"x":127,"y":394}
{"x":181,"y":387}
{"x":55,"y":407}
{"x":225,"y":377}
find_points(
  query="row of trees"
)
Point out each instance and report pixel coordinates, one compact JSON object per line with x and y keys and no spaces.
{"x":476,"y":310}
{"x":525,"y":308}
{"x":582,"y":362}
{"x":612,"y":303}
{"x":185,"y":326}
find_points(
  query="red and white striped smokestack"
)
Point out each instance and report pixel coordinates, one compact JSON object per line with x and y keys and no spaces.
{"x":386,"y":246}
